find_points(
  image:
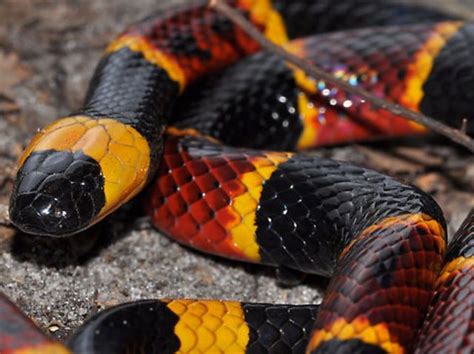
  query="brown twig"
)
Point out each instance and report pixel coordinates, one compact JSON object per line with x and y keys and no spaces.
{"x":464,"y":125}
{"x":319,"y":74}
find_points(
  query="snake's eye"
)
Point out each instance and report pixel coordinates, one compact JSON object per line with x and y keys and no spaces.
{"x":57,"y":193}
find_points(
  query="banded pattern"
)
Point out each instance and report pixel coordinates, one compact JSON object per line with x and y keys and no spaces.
{"x":314,"y":215}
{"x":128,"y":104}
{"x":299,"y":113}
{"x":70,"y":174}
{"x":449,"y":326}
{"x":382,"y":241}
{"x":398,"y":259}
{"x":280,"y":209}
{"x":207,"y":199}
{"x":196,"y":326}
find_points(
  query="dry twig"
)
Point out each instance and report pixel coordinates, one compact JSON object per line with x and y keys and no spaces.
{"x":317,"y":73}
{"x":464,"y":125}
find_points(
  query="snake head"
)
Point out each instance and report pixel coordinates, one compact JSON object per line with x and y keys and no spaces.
{"x":75,"y":172}
{"x":57,"y":193}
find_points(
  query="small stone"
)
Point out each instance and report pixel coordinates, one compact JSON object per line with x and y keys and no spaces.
{"x":53,"y":328}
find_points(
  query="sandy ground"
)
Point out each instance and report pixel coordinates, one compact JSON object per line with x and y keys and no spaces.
{"x":48,"y":50}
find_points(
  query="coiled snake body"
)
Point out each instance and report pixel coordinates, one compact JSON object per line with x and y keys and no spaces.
{"x":382,"y":242}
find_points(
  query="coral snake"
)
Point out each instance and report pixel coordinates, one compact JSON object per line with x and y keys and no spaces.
{"x":382,"y":242}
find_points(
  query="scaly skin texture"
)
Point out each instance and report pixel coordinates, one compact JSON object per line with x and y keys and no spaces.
{"x":382,"y":242}
{"x":300,"y":114}
{"x":398,"y":259}
{"x":313,"y":215}
{"x":199,"y":326}
{"x":136,"y":84}
{"x":133,"y":90}
{"x":281,"y":209}
{"x":449,"y":325}
{"x":207,"y":198}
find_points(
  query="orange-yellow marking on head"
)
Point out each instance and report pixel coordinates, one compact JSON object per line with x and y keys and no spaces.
{"x":263,"y":14}
{"x":207,"y":326}
{"x":121,"y":151}
{"x":360,"y":328}
{"x":45,"y":348}
{"x":244,"y":207}
{"x":420,"y":69}
{"x":138,"y":43}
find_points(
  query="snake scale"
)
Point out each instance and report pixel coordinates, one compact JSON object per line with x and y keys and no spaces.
{"x":160,"y":115}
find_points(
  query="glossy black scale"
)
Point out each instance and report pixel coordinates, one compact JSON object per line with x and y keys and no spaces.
{"x":252,"y":104}
{"x":312,"y":207}
{"x":145,"y":326}
{"x":448,"y":92}
{"x":148,"y":326}
{"x":306,"y":17}
{"x":353,"y":346}
{"x":44,"y":174}
{"x":128,"y":88}
{"x":279,"y":328}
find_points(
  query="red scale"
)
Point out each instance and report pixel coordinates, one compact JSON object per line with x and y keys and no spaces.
{"x":194,"y":195}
